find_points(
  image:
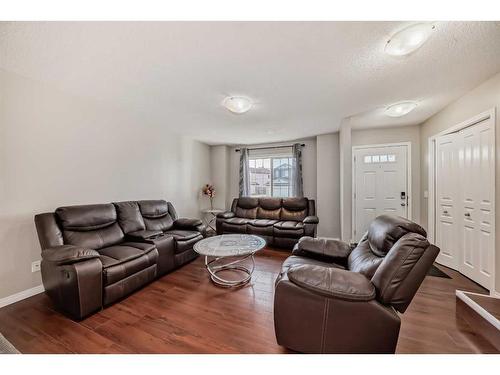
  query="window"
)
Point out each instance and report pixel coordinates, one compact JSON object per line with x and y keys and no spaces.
{"x":391,"y":158}
{"x":270,"y":176}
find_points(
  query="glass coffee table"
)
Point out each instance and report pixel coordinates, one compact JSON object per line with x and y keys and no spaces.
{"x":228,"y":252}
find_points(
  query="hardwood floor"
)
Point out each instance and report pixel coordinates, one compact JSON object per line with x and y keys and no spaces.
{"x":184,"y":312}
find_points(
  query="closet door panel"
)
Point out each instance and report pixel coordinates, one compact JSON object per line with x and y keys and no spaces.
{"x":485,"y":212}
{"x":477,"y":189}
{"x":468,"y":172}
{"x":447,"y":200}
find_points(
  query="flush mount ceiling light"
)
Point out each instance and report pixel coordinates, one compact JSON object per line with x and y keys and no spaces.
{"x":237,"y":104}
{"x":409,"y":39}
{"x":400,"y":109}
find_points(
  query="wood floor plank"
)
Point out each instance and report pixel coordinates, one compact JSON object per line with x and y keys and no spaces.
{"x":183,"y":312}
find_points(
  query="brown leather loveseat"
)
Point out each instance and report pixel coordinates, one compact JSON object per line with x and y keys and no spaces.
{"x":94,"y":255}
{"x":280,"y":221}
{"x":331,"y":299}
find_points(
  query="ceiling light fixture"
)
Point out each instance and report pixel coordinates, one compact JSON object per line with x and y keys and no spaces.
{"x":409,"y":39}
{"x":237,"y":104}
{"x":400,"y":109}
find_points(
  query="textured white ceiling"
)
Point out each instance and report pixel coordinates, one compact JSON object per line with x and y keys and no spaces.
{"x":304,"y":76}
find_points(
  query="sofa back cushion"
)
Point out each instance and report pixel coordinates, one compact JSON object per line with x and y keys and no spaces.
{"x":386,"y":230}
{"x":157,"y":214}
{"x":49,"y":232}
{"x":129,"y":216}
{"x":363,"y":260}
{"x":94,"y":226}
{"x":294,"y":209}
{"x":269,"y":208}
{"x":246,"y":207}
{"x":403,"y":269}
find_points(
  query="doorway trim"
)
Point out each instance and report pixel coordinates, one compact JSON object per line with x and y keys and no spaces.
{"x":408,"y":178}
{"x":431,"y":204}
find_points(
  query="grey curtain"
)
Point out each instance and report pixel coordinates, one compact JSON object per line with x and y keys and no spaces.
{"x":297,"y":185}
{"x":244,"y":173}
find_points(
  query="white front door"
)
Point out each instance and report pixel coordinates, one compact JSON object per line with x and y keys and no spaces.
{"x":380,"y":184}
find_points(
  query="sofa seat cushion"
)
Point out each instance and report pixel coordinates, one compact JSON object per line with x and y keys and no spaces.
{"x":235,"y":226}
{"x":238,"y":221}
{"x":293,"y":225}
{"x":124,"y":252}
{"x":262,"y":222}
{"x":184,"y":239}
{"x":290,"y":229}
{"x":121,"y":261}
{"x":261,"y":227}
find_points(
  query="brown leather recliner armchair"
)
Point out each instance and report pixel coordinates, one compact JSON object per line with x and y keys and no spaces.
{"x":331,"y":299}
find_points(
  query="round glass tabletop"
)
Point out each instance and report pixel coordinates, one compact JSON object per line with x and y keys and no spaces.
{"x":228,"y":245}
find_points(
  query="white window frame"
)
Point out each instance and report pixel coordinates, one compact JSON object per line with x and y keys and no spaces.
{"x":270,"y":156}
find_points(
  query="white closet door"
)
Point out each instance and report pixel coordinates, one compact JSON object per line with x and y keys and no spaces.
{"x":477,"y":187}
{"x":465,"y":212}
{"x":448,"y":209}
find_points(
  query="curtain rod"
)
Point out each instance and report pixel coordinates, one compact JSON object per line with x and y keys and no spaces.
{"x":267,"y":148}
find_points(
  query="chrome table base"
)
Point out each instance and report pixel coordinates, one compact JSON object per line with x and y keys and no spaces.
{"x":220,"y":264}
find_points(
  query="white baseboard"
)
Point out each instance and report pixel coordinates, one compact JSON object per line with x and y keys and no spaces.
{"x":21,"y":295}
{"x":477,"y":308}
{"x":494,"y":293}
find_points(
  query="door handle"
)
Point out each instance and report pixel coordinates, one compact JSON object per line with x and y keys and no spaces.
{"x":403,"y":204}
{"x":467,"y":214}
{"x":445,"y":212}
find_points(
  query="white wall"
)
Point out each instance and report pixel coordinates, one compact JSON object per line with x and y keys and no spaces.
{"x":57,"y":149}
{"x":482,"y":98}
{"x":394,"y":135}
{"x":219,"y":165}
{"x":345,"y":160}
{"x":328,"y":185}
{"x":308,"y":167}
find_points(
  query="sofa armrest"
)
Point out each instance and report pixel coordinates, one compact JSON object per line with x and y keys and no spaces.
{"x":311,"y":220}
{"x":333,"y":282}
{"x":72,"y":277}
{"x":144,"y":234}
{"x":185,"y":223}
{"x":191,"y":224}
{"x":225,"y":215}
{"x":327,"y":247}
{"x":68,"y":254}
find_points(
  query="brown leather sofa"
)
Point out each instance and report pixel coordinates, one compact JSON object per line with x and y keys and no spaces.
{"x":94,"y":255}
{"x":280,"y":221}
{"x":331,"y":299}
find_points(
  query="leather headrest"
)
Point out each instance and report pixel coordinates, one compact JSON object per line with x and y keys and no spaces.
{"x":86,"y":217}
{"x":295,"y":204}
{"x":248,"y":203}
{"x":270,"y":203}
{"x":152,"y":209}
{"x":386,"y":230}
